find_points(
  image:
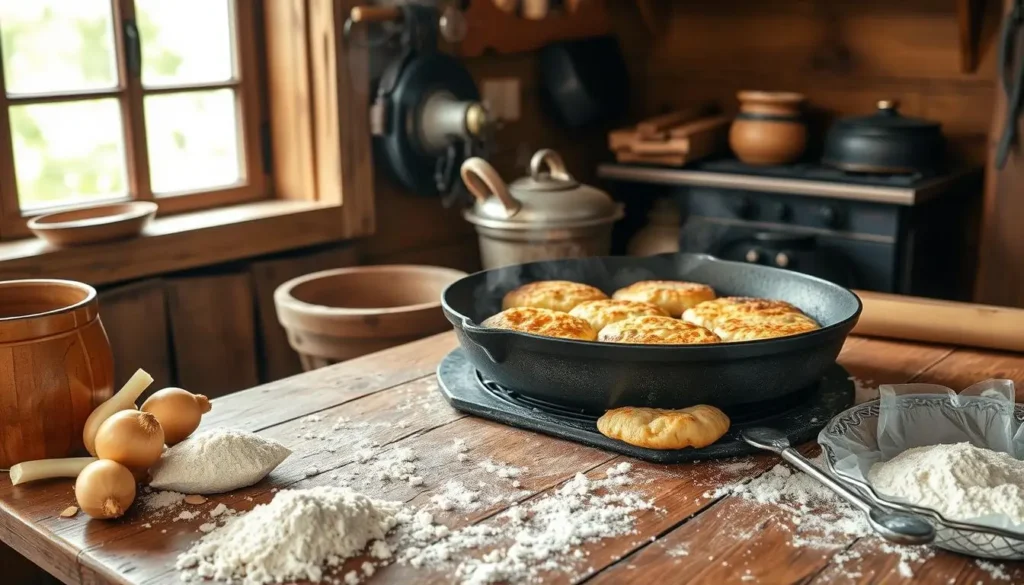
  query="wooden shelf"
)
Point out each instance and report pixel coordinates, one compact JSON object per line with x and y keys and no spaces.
{"x":489,"y":27}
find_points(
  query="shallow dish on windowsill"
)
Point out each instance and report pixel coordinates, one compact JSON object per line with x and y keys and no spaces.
{"x":91,"y":225}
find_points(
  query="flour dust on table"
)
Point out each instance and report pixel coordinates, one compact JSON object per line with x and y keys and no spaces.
{"x":818,"y":518}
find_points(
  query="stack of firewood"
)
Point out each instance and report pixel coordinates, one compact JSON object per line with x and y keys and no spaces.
{"x":672,"y":139}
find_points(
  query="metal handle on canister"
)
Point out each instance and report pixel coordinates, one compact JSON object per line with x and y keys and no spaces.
{"x":483,"y":181}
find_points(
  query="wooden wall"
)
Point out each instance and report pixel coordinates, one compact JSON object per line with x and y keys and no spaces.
{"x":212,"y":331}
{"x":844,"y":55}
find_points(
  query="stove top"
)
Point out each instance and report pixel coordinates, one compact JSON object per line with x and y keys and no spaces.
{"x":466,"y":390}
{"x":809,"y":171}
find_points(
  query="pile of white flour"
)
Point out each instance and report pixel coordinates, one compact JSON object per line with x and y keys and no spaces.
{"x":961,"y":481}
{"x":293,"y":537}
{"x":217,"y":461}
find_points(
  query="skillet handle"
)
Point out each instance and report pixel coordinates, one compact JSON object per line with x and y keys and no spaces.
{"x":494,"y":342}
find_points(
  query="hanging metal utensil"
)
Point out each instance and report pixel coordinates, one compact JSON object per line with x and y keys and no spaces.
{"x":427,"y":116}
{"x":1011,"y":70}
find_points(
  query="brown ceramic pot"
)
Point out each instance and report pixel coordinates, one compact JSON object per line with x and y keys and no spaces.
{"x":336,"y":315}
{"x":769,"y":129}
{"x":55,"y":367}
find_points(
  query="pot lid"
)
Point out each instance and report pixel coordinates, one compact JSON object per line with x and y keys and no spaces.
{"x":549,"y":196}
{"x":887,"y":119}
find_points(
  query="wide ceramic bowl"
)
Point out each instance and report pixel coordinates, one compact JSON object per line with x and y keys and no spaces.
{"x":850,"y":444}
{"x":92,"y":225}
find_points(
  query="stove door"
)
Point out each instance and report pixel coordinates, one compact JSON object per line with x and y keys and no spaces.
{"x":799,"y":252}
{"x":845,"y":261}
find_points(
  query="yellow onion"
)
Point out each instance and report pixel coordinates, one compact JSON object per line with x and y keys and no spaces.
{"x":179,"y":412}
{"x":123,"y":400}
{"x":132,"y":438}
{"x":105,"y":489}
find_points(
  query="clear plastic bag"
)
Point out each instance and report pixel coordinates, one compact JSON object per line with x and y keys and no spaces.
{"x":919,"y":415}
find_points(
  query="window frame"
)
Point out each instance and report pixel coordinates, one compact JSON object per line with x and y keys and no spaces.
{"x":321,"y":191}
{"x":130,"y":95}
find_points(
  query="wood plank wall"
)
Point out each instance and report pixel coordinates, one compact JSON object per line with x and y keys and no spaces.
{"x":843,"y":54}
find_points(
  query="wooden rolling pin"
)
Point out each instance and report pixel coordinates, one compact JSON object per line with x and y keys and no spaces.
{"x":375,"y":14}
{"x":945,"y":322}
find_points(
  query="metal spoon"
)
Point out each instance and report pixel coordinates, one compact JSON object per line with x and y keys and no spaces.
{"x":895,"y":527}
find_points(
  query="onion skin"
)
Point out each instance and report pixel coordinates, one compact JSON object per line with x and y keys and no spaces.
{"x":123,"y":400}
{"x":132,"y":438}
{"x":179,"y":412}
{"x":105,"y":489}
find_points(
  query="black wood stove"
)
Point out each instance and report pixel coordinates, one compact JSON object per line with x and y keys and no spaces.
{"x":907,"y":234}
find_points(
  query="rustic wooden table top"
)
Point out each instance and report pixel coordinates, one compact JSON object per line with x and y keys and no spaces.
{"x":377,"y":391}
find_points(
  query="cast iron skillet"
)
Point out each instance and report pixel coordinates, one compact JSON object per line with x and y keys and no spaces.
{"x":596,"y":376}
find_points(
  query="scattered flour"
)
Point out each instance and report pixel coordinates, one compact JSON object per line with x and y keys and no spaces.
{"x":457,"y":497}
{"x":961,"y":481}
{"x":679,"y":551}
{"x":158,"y":500}
{"x":502,"y":470}
{"x":820,"y":518}
{"x":217,"y":461}
{"x":395,"y":465}
{"x":186,"y":515}
{"x":295,"y":536}
{"x":543,"y":534}
{"x":995,"y":571}
{"x":734,"y":467}
{"x":217,"y":511}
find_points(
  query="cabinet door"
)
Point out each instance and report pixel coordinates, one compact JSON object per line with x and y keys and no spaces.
{"x":213,"y":332}
{"x":1001,"y":259}
{"x":135,"y":317}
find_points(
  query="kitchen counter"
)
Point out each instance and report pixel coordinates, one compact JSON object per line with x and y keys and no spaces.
{"x":727,"y":540}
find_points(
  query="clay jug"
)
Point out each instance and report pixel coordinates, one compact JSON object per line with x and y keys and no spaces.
{"x":769,"y":129}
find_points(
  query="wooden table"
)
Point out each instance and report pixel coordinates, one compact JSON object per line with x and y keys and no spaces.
{"x":378,"y":391}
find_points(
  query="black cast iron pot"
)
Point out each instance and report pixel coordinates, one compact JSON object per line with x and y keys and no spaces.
{"x":595,"y":376}
{"x":885,"y":142}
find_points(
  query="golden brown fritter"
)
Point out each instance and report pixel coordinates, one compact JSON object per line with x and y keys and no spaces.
{"x":542,"y":322}
{"x":657,"y":428}
{"x":674,"y":296}
{"x":656,"y":330}
{"x":602,"y":313}
{"x":710,"y":313}
{"x":557,"y":295}
{"x":751,"y":327}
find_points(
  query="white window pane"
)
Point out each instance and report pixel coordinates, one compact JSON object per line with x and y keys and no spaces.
{"x":193,"y":141}
{"x":57,"y":45}
{"x":68,"y":153}
{"x":185,"y":41}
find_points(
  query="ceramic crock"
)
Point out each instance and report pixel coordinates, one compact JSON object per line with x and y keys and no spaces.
{"x":769,"y":128}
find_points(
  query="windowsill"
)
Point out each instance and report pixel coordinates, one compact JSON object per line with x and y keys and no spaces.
{"x":180,"y":242}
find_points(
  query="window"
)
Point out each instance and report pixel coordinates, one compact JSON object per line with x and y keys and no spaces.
{"x":107,"y":100}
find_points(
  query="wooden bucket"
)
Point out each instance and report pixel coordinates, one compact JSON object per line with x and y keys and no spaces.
{"x":336,"y":315}
{"x":55,"y":367}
